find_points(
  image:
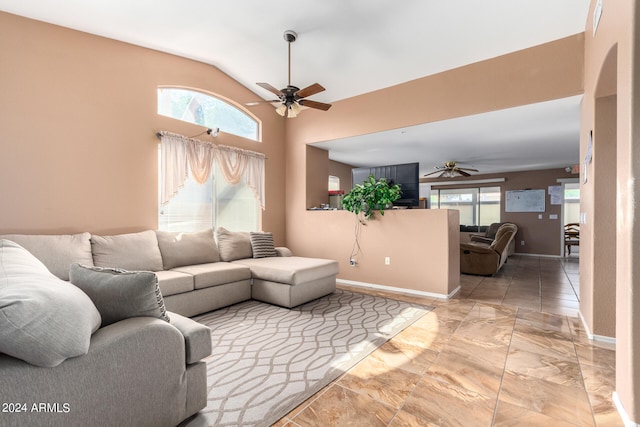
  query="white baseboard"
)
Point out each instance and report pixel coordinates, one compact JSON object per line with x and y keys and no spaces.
{"x":623,"y":414}
{"x":539,"y":255}
{"x":399,"y":290}
{"x":591,"y":335}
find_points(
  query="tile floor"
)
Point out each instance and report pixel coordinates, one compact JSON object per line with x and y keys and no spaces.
{"x":508,"y":350}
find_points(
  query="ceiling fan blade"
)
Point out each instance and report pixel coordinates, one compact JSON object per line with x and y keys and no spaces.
{"x":270,"y":88}
{"x":469,"y":169}
{"x":314,"y":104}
{"x":463,"y":173}
{"x":310,"y":90}
{"x":431,"y":173}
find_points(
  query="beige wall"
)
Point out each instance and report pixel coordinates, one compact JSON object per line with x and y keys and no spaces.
{"x":78,"y":124}
{"x":542,"y":73}
{"x":317,"y":175}
{"x":541,"y":236}
{"x":342,"y":171}
{"x":611,"y":68}
{"x":423,"y":246}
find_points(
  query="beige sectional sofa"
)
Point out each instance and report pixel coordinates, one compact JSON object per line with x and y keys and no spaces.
{"x":196,"y":274}
{"x":129,"y":363}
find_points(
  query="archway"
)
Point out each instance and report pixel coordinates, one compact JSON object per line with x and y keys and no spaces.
{"x":603,"y":218}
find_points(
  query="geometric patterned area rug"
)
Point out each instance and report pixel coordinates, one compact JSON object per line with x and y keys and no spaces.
{"x":267,"y":360}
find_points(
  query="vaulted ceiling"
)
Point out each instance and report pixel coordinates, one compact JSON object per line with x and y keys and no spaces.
{"x":349,"y":46}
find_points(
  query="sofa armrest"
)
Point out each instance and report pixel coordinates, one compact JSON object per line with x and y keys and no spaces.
{"x":481,"y":239}
{"x":282,"y":251}
{"x":139,"y":356}
{"x":466,"y":248}
{"x":197,"y":337}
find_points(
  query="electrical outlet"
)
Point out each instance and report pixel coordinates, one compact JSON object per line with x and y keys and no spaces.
{"x":522,"y":243}
{"x":352,"y":262}
{"x":387,"y":260}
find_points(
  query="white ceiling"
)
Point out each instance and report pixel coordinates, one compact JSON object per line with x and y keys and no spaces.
{"x":535,"y":136}
{"x":349,"y":46}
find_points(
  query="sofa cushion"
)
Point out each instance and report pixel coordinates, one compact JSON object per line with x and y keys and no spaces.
{"x":120,"y":294}
{"x":218,"y":273}
{"x":174,"y":282}
{"x":56,"y":252}
{"x":180,"y":249}
{"x":233,"y":245}
{"x":291,"y":270}
{"x":43,"y":319}
{"x":262,"y":245}
{"x":134,"y":251}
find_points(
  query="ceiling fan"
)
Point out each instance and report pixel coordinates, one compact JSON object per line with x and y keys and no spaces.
{"x":292,"y":97}
{"x":451,"y":169}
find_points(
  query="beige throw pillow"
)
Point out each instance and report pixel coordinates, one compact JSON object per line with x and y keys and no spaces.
{"x":179,"y":249}
{"x":233,"y":245}
{"x":56,"y":252}
{"x":133,"y":251}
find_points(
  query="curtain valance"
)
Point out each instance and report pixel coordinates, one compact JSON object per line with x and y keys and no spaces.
{"x":180,"y":154}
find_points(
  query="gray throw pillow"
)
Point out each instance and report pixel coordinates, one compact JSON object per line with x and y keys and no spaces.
{"x":233,"y":245}
{"x":43,"y":320}
{"x":120,"y":294}
{"x":262,"y":245}
{"x":179,"y":249}
{"x":133,"y":251}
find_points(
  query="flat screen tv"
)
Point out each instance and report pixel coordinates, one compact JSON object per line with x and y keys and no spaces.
{"x":405,"y":175}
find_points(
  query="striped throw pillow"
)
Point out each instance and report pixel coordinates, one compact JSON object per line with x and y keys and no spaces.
{"x":262,"y":245}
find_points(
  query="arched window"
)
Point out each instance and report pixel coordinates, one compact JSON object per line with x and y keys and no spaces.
{"x":216,"y":203}
{"x":207,"y":110}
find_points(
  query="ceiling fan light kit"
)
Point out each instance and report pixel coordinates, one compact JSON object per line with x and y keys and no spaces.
{"x":291,"y":98}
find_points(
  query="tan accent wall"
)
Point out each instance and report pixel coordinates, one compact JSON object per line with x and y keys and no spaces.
{"x":78,"y":124}
{"x":423,"y":247}
{"x":612,"y":61}
{"x":342,"y":171}
{"x":317,"y":166}
{"x":550,"y":71}
{"x":541,"y":73}
{"x":541,"y":236}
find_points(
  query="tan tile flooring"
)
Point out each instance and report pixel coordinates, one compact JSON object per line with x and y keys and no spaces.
{"x":508,"y":350}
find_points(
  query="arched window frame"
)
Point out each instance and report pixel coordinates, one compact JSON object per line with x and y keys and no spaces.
{"x":217,"y":98}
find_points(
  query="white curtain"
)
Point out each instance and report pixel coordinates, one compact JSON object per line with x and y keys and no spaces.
{"x":178,"y":151}
{"x":173,"y":166}
{"x":232,"y":164}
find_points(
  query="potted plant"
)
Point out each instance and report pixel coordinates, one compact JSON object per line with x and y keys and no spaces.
{"x":370,"y":196}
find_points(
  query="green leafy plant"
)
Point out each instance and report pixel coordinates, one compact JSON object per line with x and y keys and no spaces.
{"x":370,"y":196}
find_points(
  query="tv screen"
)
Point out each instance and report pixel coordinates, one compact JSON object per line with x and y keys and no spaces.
{"x":405,"y":175}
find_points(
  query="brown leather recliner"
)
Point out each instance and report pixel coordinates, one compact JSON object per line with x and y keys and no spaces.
{"x":489,"y":236}
{"x":485,"y":260}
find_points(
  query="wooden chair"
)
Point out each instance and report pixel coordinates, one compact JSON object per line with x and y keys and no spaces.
{"x":571,"y":236}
